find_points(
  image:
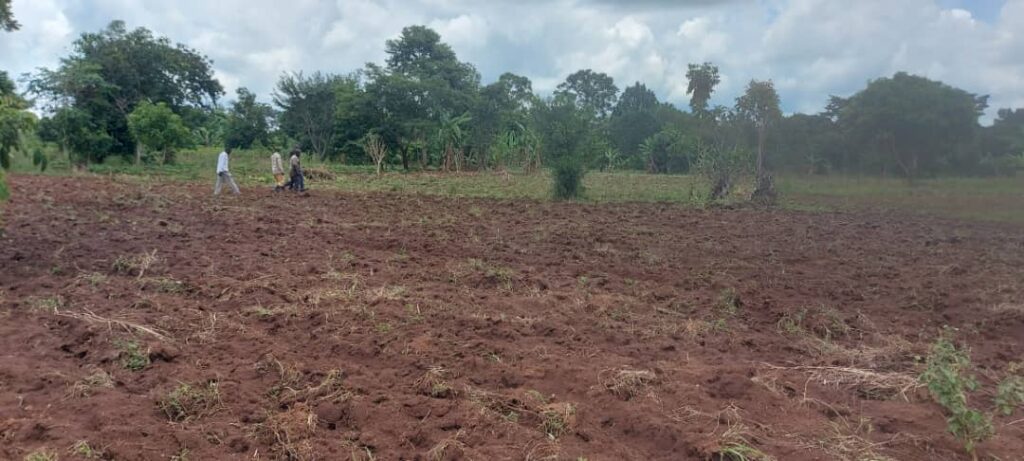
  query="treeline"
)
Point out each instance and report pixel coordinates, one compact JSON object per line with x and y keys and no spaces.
{"x":127,"y":93}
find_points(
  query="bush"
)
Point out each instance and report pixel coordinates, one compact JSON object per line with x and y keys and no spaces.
{"x":722,"y":168}
{"x":947,"y":375}
{"x":568,"y":182}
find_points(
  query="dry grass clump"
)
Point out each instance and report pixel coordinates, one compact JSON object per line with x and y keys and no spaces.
{"x":868,"y":384}
{"x":86,"y":386}
{"x":823,"y":322}
{"x":289,"y":433}
{"x":557,"y":419}
{"x":449,"y":448}
{"x":626,"y":383}
{"x":848,"y":442}
{"x":434,"y":383}
{"x":137,"y":264}
{"x":318,"y":174}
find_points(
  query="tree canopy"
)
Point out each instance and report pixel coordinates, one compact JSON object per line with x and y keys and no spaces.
{"x":158,"y":128}
{"x":110,"y":72}
{"x":425,"y":107}
{"x":911,"y":124}
{"x":594,"y":92}
{"x":7,"y":21}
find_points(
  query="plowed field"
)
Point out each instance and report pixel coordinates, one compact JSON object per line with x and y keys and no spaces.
{"x":146,"y":321}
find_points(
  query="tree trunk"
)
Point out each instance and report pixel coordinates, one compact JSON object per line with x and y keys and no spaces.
{"x":760,"y":150}
{"x":138,"y":153}
{"x":764,"y":192}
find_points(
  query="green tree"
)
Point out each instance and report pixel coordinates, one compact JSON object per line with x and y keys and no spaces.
{"x":759,"y":105}
{"x":78,"y":135}
{"x":7,"y":21}
{"x":158,"y":128}
{"x":110,"y":72}
{"x":501,"y":112}
{"x":702,"y":80}
{"x":667,"y":151}
{"x":912,"y":124}
{"x":308,"y":105}
{"x":422,"y":82}
{"x":1001,"y":146}
{"x":248,"y":121}
{"x":15,"y":121}
{"x":567,"y":140}
{"x":592,"y":92}
{"x":808,"y":144}
{"x":634,"y":120}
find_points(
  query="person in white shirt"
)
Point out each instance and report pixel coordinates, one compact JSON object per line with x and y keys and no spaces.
{"x":277,"y":169}
{"x":223,"y":174}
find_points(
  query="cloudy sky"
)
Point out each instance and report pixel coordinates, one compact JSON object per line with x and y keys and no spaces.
{"x":810,"y":48}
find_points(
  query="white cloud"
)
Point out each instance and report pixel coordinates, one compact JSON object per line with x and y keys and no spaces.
{"x":464,"y":31}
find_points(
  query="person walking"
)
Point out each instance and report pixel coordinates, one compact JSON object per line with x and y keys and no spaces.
{"x":223,"y":174}
{"x":298,"y":181}
{"x":277,"y":168}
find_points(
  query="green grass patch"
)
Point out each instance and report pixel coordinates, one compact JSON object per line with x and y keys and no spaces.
{"x":988,"y":199}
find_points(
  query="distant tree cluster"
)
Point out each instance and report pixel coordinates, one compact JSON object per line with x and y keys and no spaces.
{"x":128,"y":93}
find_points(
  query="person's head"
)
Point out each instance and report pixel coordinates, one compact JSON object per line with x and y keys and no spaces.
{"x":227,"y":150}
{"x":297,"y":153}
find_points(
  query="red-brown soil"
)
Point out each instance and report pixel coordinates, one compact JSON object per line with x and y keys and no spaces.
{"x":340,"y":326}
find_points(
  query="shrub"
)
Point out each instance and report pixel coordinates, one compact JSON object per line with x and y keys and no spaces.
{"x":1010,"y":395}
{"x":947,"y":375}
{"x":568,"y":182}
{"x":722,"y":168}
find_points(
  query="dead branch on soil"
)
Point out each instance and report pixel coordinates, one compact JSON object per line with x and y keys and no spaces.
{"x":91,"y":317}
{"x":866,"y":382}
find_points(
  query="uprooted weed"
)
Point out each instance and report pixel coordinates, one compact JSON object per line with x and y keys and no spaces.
{"x":557,"y":419}
{"x":289,"y":433}
{"x":52,"y":304}
{"x":434,"y":383}
{"x":823,"y":322}
{"x":86,"y":386}
{"x":868,"y":384}
{"x":734,"y":445}
{"x":449,"y":448}
{"x":42,"y":455}
{"x":292,"y":386}
{"x":190,"y":401}
{"x":626,"y":383}
{"x":83,"y":449}
{"x":135,"y":264}
{"x":166,"y":285}
{"x":849,"y":442}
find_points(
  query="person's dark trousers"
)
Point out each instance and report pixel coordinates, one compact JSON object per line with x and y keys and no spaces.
{"x":299,"y":183}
